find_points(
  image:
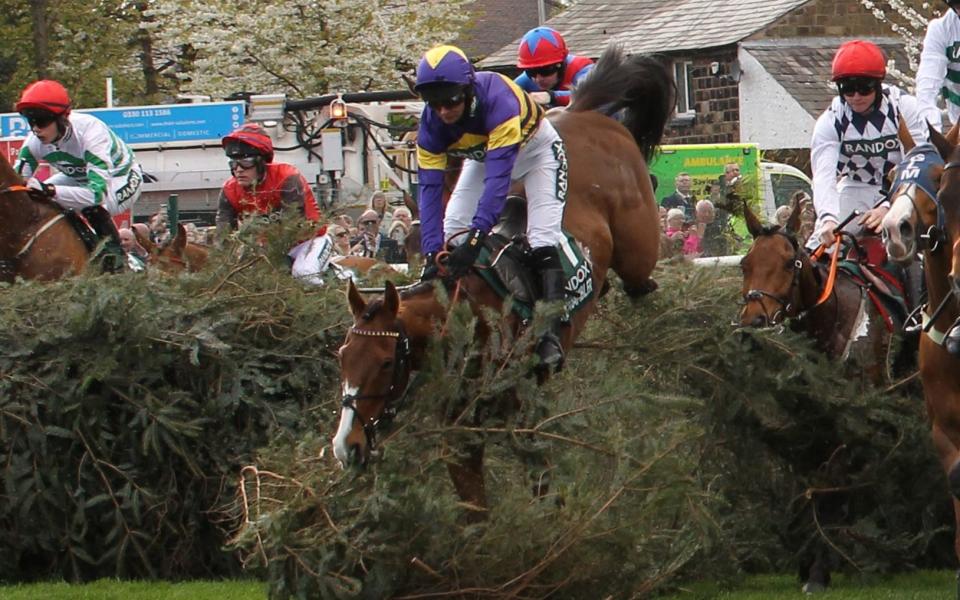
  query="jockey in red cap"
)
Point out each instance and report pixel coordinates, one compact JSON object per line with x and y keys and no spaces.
{"x":96,"y":171}
{"x":548,"y":67}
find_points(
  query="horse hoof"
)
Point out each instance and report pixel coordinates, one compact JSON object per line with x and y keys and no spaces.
{"x":641,"y":289}
{"x":812,"y":587}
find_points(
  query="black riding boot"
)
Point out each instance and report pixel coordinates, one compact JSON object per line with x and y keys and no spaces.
{"x":112,"y":257}
{"x":553,"y":287}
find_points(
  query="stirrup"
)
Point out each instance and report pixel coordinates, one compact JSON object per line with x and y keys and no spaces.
{"x":550,"y":352}
{"x":914,"y":321}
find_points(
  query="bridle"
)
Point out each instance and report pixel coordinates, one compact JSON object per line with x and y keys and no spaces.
{"x":786,"y":301}
{"x":396,"y":394}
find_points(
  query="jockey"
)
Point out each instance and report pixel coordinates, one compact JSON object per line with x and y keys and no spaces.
{"x":502,"y":134}
{"x":548,"y":67}
{"x":97,"y":171}
{"x":855,"y":141}
{"x":940,"y":66}
{"x":259,"y":186}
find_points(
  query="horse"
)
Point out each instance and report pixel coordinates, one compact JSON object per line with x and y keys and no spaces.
{"x":610,"y":209}
{"x":37,"y":239}
{"x":782,"y":282}
{"x":176,"y":254}
{"x":925,"y":217}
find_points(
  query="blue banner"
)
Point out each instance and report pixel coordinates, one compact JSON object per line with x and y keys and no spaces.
{"x":153,"y":124}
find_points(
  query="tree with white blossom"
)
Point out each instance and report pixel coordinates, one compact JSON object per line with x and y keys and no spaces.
{"x":299,"y":47}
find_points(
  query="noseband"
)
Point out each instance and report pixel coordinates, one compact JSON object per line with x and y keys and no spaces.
{"x":396,"y":394}
{"x":785,"y":301}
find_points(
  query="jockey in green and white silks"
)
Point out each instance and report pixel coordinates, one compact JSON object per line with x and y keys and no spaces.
{"x":95,"y":167}
{"x":939,"y":70}
{"x":96,"y":172}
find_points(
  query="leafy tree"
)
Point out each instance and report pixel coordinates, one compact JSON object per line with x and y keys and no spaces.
{"x":302,"y":47}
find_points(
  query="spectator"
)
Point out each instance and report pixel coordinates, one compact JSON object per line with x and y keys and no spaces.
{"x":137,"y":255}
{"x":402,"y":221}
{"x":159,"y":227}
{"x":97,"y":172}
{"x":783,"y":215}
{"x":682,"y":198}
{"x":939,"y":64}
{"x":341,"y":240}
{"x":704,"y":214}
{"x":378,"y":203}
{"x":372,"y":243}
{"x":675,"y":232}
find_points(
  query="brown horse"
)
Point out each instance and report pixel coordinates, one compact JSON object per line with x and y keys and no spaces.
{"x":37,"y":241}
{"x":925,"y":217}
{"x":781,"y":281}
{"x":176,"y":254}
{"x":611,"y":210}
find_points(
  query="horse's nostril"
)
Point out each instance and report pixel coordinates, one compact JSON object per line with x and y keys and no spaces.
{"x":759,"y":321}
{"x":906,"y":230}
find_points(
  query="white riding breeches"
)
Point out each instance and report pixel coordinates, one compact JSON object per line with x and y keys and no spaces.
{"x":121,"y":194}
{"x":542,"y":166}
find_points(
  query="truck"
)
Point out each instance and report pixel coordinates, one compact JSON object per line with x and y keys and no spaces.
{"x":346,"y":145}
{"x":768,"y":185}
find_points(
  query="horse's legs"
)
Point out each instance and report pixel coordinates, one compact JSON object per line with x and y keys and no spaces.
{"x":466,"y":471}
{"x":636,"y":245}
{"x":950,"y":458}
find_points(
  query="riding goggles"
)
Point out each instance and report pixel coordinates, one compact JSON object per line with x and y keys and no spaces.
{"x":245,"y":162}
{"x":450,"y":102}
{"x":857,"y":85}
{"x":39,"y":119}
{"x":548,"y":70}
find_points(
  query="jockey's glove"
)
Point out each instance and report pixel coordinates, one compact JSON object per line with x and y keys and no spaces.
{"x":44,"y":188}
{"x":430,"y":268}
{"x":465,"y":255}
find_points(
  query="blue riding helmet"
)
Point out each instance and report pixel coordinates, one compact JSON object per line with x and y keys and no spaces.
{"x":443,"y":72}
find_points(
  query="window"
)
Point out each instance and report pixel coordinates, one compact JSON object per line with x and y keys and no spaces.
{"x":683,"y":75}
{"x":785,"y":185}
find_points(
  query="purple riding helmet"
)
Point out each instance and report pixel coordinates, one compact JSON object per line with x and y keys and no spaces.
{"x":443,"y":73}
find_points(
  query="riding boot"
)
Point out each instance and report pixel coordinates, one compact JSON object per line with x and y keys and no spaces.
{"x":553,"y":288}
{"x":951,"y":341}
{"x":915,"y":284}
{"x":112,"y":257}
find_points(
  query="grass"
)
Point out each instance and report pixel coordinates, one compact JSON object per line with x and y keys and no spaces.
{"x":110,"y":589}
{"x":922,"y":585}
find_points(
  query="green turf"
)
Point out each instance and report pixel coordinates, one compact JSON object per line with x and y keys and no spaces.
{"x":107,"y":589}
{"x":924,"y":585}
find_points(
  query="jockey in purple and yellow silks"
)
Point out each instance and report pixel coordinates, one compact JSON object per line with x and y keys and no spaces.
{"x":548,"y":66}
{"x":502,"y":134}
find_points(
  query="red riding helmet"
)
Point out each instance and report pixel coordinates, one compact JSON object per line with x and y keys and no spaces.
{"x":541,"y":46}
{"x":249,"y":137}
{"x":859,"y":58}
{"x":47,"y":95}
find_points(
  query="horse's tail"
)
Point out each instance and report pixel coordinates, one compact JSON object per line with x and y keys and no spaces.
{"x":640,"y":85}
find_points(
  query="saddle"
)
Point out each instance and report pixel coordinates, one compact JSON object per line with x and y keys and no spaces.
{"x":866,"y":265}
{"x":505,"y":263}
{"x":80,"y":225}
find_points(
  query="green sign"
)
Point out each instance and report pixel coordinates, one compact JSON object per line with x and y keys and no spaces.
{"x":705,"y":163}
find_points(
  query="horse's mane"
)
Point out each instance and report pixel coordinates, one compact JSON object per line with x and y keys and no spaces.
{"x":770,"y":230}
{"x":641,"y":85}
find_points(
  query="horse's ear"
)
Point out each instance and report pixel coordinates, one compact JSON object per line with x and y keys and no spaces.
{"x":391,"y":298}
{"x":943,"y":145}
{"x":953,"y":135}
{"x":357,"y":303}
{"x":906,"y":139}
{"x":754,"y":226}
{"x":180,"y":240}
{"x":793,"y":223}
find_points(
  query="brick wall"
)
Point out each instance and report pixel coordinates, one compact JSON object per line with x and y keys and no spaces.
{"x":716,"y":98}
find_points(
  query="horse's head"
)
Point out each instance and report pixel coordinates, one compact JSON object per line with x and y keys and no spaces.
{"x":771,"y":271}
{"x":374,"y":370}
{"x":177,"y":254}
{"x":914,"y":221}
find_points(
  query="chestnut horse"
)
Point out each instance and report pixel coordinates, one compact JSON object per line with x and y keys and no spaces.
{"x":926,"y":218}
{"x":176,"y":254}
{"x":781,"y":281}
{"x":610,"y":209}
{"x":37,"y":240}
